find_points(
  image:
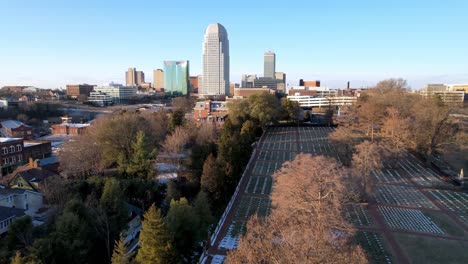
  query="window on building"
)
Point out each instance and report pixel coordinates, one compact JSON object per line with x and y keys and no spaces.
{"x":13,"y":159}
{"x":4,"y":150}
{"x":29,"y":132}
{"x":5,"y":160}
{"x":18,"y":147}
{"x":12,"y":149}
{"x":20,"y":158}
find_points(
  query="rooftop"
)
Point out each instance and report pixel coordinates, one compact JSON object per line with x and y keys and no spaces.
{"x":10,"y":124}
{"x":74,"y":125}
{"x":4,"y":192}
{"x":216,"y":28}
{"x":7,"y":212}
{"x":8,"y":139}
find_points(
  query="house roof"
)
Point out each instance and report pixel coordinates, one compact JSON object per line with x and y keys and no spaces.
{"x":74,"y":125}
{"x":30,"y":175}
{"x":133,"y":209}
{"x":11,"y":124}
{"x":4,"y":192}
{"x":199,"y":106}
{"x":7,"y":212}
{"x":8,"y":139}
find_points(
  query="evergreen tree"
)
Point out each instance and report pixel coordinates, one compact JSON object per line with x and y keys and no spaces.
{"x":120,"y":255}
{"x":203,"y":215}
{"x":177,"y":119}
{"x":182,"y":224}
{"x":111,"y":214}
{"x":212,"y":181}
{"x":155,"y":246}
{"x":141,"y":162}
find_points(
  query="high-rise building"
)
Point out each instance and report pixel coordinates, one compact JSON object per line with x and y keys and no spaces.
{"x":248,"y":80}
{"x":176,"y":77}
{"x":281,"y":78}
{"x":130,"y":77}
{"x":215,"y":61}
{"x":158,"y":79}
{"x":269,"y":65}
{"x":140,"y":77}
{"x":134,"y":77}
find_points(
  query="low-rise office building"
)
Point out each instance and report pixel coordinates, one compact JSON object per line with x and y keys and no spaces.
{"x":120,"y":94}
{"x":100,"y":99}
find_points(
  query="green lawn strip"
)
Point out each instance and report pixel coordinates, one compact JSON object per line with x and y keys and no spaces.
{"x":427,"y":250}
{"x":447,"y":224}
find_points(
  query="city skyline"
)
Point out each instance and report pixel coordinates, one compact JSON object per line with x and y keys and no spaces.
{"x":50,"y":45}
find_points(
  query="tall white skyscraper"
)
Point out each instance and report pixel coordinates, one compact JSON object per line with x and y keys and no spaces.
{"x":215,"y":79}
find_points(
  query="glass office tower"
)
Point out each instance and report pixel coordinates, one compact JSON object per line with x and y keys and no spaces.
{"x":176,"y":78}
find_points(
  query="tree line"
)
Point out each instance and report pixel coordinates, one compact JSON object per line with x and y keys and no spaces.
{"x":112,"y":166}
{"x":387,"y":121}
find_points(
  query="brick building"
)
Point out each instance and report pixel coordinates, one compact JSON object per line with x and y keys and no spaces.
{"x":210,"y":111}
{"x":16,"y":129}
{"x":12,"y":152}
{"x":193,"y":84}
{"x":69,"y":129}
{"x":246,"y":92}
{"x":79,"y":91}
{"x":15,"y":89}
{"x":315,"y":83}
{"x":38,"y":149}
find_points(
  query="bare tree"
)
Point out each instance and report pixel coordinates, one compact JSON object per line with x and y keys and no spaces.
{"x":432,"y":127}
{"x":306,"y":223}
{"x":343,"y":140}
{"x":366,"y":159}
{"x":396,"y":133}
{"x":175,"y":143}
{"x":81,"y":156}
{"x":206,"y":133}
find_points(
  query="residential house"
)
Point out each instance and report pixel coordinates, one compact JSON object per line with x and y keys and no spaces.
{"x":132,"y":232}
{"x":7,"y":216}
{"x":31,"y":176}
{"x":28,"y":200}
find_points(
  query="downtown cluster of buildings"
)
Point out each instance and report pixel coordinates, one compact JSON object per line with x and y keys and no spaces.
{"x":174,"y":80}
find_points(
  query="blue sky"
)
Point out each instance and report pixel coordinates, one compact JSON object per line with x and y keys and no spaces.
{"x":52,"y":43}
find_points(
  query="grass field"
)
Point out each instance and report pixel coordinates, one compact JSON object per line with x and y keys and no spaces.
{"x":427,"y":250}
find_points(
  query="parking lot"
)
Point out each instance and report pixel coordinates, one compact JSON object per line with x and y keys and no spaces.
{"x":408,"y":199}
